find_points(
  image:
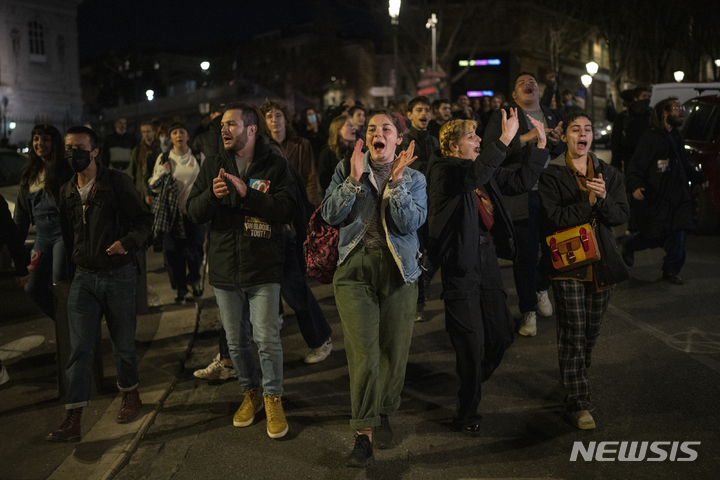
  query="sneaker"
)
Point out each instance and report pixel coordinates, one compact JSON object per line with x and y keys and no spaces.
{"x":362,"y":453}
{"x":4,"y":377}
{"x":197,"y":289}
{"x":277,"y":425}
{"x":180,"y":300}
{"x":672,"y":278}
{"x":217,"y":370}
{"x":545,"y":308}
{"x":528,"y":328}
{"x":252,"y":404}
{"x":321,"y":353}
{"x":420,"y":313}
{"x":383,"y":435}
{"x":582,"y":419}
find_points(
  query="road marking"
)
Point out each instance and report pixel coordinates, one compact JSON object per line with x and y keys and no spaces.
{"x":672,"y":340}
{"x":20,"y":346}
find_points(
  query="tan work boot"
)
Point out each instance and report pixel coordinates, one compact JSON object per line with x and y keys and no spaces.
{"x":582,"y":420}
{"x":277,"y":425}
{"x":252,"y":404}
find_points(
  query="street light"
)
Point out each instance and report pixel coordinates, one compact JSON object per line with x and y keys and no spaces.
{"x":205,"y":66}
{"x":586,"y":80}
{"x":150,"y":95}
{"x":394,"y":10}
{"x":592,"y":68}
{"x":12,"y":125}
{"x":679,"y":75}
{"x":431,"y":24}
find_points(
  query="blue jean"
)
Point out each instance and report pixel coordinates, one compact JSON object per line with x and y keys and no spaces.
{"x":263,"y":326}
{"x":92,"y":295}
{"x":50,"y":266}
{"x":294,"y":289}
{"x":673,"y":244}
{"x":531,"y":275}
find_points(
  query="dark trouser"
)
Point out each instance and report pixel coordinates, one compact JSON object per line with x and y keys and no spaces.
{"x":423,"y":234}
{"x":294,"y":289}
{"x":579,"y":315}
{"x":673,"y":244}
{"x":530,"y":275}
{"x":48,"y":262}
{"x":478,"y":320}
{"x":92,"y":295}
{"x":184,"y":256}
{"x":377,"y":310}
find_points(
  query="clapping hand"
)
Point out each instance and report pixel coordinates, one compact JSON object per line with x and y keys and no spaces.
{"x":555,"y":133}
{"x":238,"y":183}
{"x":539,"y":131}
{"x":356,"y":161}
{"x":596,"y":186}
{"x":403,"y":161}
{"x":510,"y":125}
{"x":219,"y":186}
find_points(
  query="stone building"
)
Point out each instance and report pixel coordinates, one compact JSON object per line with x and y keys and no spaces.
{"x":39,"y":66}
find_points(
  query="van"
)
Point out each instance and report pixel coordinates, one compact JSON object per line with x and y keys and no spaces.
{"x":683,"y":91}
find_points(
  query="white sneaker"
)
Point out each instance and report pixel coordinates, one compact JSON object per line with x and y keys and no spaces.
{"x":321,"y":353}
{"x":545,"y":308}
{"x":216,"y":371}
{"x":4,"y":377}
{"x":529,"y":325}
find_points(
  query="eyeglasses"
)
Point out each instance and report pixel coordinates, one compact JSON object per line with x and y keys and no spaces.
{"x":680,"y":108}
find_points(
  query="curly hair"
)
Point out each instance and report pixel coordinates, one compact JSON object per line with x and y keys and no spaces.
{"x":276,"y":104}
{"x":452,"y":131}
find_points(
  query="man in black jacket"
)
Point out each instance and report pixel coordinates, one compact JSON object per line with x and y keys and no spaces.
{"x":531,"y":280}
{"x":425,"y":145}
{"x":628,"y":127}
{"x":657,"y":178}
{"x":248,"y":227}
{"x":103,"y":221}
{"x":209,"y":142}
{"x":117,"y":147}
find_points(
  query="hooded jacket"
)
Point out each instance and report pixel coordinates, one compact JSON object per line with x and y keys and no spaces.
{"x":452,"y":211}
{"x":247,"y":235}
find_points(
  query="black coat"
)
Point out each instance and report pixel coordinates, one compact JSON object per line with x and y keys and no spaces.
{"x":237,"y":255}
{"x":209,"y":142}
{"x":667,"y":206}
{"x":566,"y":207}
{"x":115,"y":213}
{"x":425,"y":146}
{"x":519,"y":204}
{"x":452,"y":209}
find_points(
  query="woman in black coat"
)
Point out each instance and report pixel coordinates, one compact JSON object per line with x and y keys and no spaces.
{"x":575,"y":189}
{"x":469,"y":228}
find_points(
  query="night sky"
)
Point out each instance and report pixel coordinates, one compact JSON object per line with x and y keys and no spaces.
{"x":179,"y":25}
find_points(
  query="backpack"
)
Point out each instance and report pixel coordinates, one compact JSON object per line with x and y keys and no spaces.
{"x":321,"y":246}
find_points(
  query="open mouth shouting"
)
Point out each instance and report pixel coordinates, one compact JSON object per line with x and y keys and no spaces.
{"x":424,"y":120}
{"x":582,"y":144}
{"x":378,"y":146}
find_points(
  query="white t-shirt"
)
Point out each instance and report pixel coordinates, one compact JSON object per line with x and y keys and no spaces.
{"x":185,"y":169}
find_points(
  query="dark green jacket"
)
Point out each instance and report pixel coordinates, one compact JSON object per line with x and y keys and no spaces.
{"x":239,"y":255}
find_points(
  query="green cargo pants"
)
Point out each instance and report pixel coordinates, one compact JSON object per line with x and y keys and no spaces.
{"x":377,"y":310}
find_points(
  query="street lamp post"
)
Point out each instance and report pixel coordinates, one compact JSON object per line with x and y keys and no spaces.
{"x":431,"y":24}
{"x":679,"y":75}
{"x":717,"y":70}
{"x":394,"y":11}
{"x":592,"y":69}
{"x":587,"y":81}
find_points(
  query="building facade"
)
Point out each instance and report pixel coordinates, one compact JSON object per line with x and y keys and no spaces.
{"x":39,"y":67}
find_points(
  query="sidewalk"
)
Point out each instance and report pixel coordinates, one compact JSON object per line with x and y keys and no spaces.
{"x":30,"y":408}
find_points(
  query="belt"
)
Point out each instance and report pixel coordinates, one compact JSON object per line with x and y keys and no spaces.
{"x":486,"y":239}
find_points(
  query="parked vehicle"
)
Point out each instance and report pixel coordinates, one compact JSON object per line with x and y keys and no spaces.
{"x":683,"y":91}
{"x":701,"y":131}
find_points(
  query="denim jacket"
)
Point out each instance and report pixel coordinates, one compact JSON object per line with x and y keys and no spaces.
{"x":404,"y":209}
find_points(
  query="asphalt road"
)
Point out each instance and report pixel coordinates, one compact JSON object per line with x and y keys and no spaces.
{"x":655,"y":377}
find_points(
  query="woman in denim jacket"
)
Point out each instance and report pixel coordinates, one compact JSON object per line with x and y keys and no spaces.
{"x":378,"y":206}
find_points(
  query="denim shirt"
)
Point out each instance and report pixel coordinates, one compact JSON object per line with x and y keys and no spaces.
{"x":404,"y":209}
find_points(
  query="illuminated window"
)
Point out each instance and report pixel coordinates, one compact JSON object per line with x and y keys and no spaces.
{"x":36,"y":37}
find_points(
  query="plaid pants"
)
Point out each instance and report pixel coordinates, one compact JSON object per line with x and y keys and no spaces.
{"x":579,"y":316}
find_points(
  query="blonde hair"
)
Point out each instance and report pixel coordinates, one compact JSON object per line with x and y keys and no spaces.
{"x":452,"y":131}
{"x":334,"y":141}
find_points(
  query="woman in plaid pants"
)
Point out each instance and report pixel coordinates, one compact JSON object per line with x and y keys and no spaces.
{"x":575,"y":189}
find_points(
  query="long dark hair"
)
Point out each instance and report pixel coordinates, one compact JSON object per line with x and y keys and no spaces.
{"x":56,"y":168}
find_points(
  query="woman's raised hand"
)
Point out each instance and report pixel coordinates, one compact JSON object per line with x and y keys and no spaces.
{"x":356,"y":162}
{"x":403,"y":161}
{"x":510,"y":125}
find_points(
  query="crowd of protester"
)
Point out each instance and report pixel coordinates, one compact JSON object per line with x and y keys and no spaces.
{"x":417,"y":187}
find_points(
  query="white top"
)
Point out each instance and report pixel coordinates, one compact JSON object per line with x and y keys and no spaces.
{"x":185,"y":169}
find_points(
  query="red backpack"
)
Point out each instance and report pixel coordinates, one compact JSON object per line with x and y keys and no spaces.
{"x":321,"y":248}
